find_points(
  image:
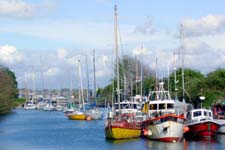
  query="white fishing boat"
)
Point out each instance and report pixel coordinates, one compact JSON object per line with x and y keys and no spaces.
{"x":30,"y":105}
{"x":164,"y":124}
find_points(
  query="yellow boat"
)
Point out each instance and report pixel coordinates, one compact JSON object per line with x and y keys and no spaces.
{"x":122,"y":129}
{"x":77,"y":116}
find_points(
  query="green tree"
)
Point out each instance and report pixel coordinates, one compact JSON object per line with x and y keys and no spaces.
{"x":8,"y":90}
{"x":194,"y":82}
{"x":214,"y":88}
{"x":129,"y":71}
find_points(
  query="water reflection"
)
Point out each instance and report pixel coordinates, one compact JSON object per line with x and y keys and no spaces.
{"x":155,"y":145}
{"x":122,"y":141}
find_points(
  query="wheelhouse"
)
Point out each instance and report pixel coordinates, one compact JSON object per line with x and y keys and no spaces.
{"x":199,"y":115}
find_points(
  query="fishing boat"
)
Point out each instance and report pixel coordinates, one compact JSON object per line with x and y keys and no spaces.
{"x":80,"y":113}
{"x":118,"y":125}
{"x":163,"y":123}
{"x":201,"y":124}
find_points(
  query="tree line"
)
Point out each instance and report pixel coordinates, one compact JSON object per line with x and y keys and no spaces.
{"x":8,"y":90}
{"x":196,"y":84}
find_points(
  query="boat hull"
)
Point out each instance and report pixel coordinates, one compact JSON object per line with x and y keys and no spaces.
{"x":94,"y":114}
{"x":121,"y":133}
{"x":77,"y":116}
{"x":122,"y":130}
{"x":164,"y":129}
{"x":202,"y":130}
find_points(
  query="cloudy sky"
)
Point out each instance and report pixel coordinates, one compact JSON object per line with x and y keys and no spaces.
{"x":42,"y":40}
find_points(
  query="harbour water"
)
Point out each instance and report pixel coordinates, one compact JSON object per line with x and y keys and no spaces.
{"x":40,"y":130}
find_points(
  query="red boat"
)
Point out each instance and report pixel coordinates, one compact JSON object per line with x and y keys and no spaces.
{"x":201,"y":124}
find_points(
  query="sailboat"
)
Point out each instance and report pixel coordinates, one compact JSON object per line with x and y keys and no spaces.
{"x":79,"y":114}
{"x":118,"y":125}
{"x":94,"y":113}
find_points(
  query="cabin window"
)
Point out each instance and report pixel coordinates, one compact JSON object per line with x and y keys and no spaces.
{"x":125,"y":106}
{"x":162,"y":106}
{"x":188,"y":115}
{"x":205,"y":113}
{"x":197,"y":113}
{"x":170,"y":106}
{"x":134,"y":106}
{"x":210,"y":114}
{"x":153,"y":106}
{"x":116,"y":106}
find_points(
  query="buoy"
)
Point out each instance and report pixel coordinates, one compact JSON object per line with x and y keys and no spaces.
{"x":144,"y":131}
{"x":186,"y":129}
{"x":88,"y":118}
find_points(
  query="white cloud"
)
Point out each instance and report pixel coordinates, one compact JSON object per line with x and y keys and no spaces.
{"x":208,"y":25}
{"x":140,"y":51}
{"x":10,"y":55}
{"x":62,"y":53}
{"x":146,"y":28}
{"x":23,"y":9}
{"x":16,"y":8}
{"x":54,"y":71}
{"x":102,"y":73}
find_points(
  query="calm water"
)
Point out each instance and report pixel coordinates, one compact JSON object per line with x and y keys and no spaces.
{"x":39,"y":130}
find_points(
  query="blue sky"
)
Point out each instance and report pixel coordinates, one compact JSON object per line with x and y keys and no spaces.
{"x":60,"y":32}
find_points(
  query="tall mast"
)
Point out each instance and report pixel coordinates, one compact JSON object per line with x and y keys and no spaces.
{"x":175,"y":76}
{"x":168,"y":71}
{"x":94,"y":94}
{"x":87,"y":78}
{"x":136,"y":76}
{"x":117,"y":54}
{"x":81,"y":85}
{"x":141,"y":72}
{"x":156,"y":79}
{"x":34,"y":85}
{"x":182,"y":59}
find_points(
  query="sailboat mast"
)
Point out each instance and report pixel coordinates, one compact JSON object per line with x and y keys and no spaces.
{"x":141,"y":72}
{"x":156,"y":79}
{"x":87,"y":78}
{"x":94,"y":94}
{"x":117,"y":54}
{"x":182,"y":59}
{"x":175,"y":76}
{"x":81,"y":85}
